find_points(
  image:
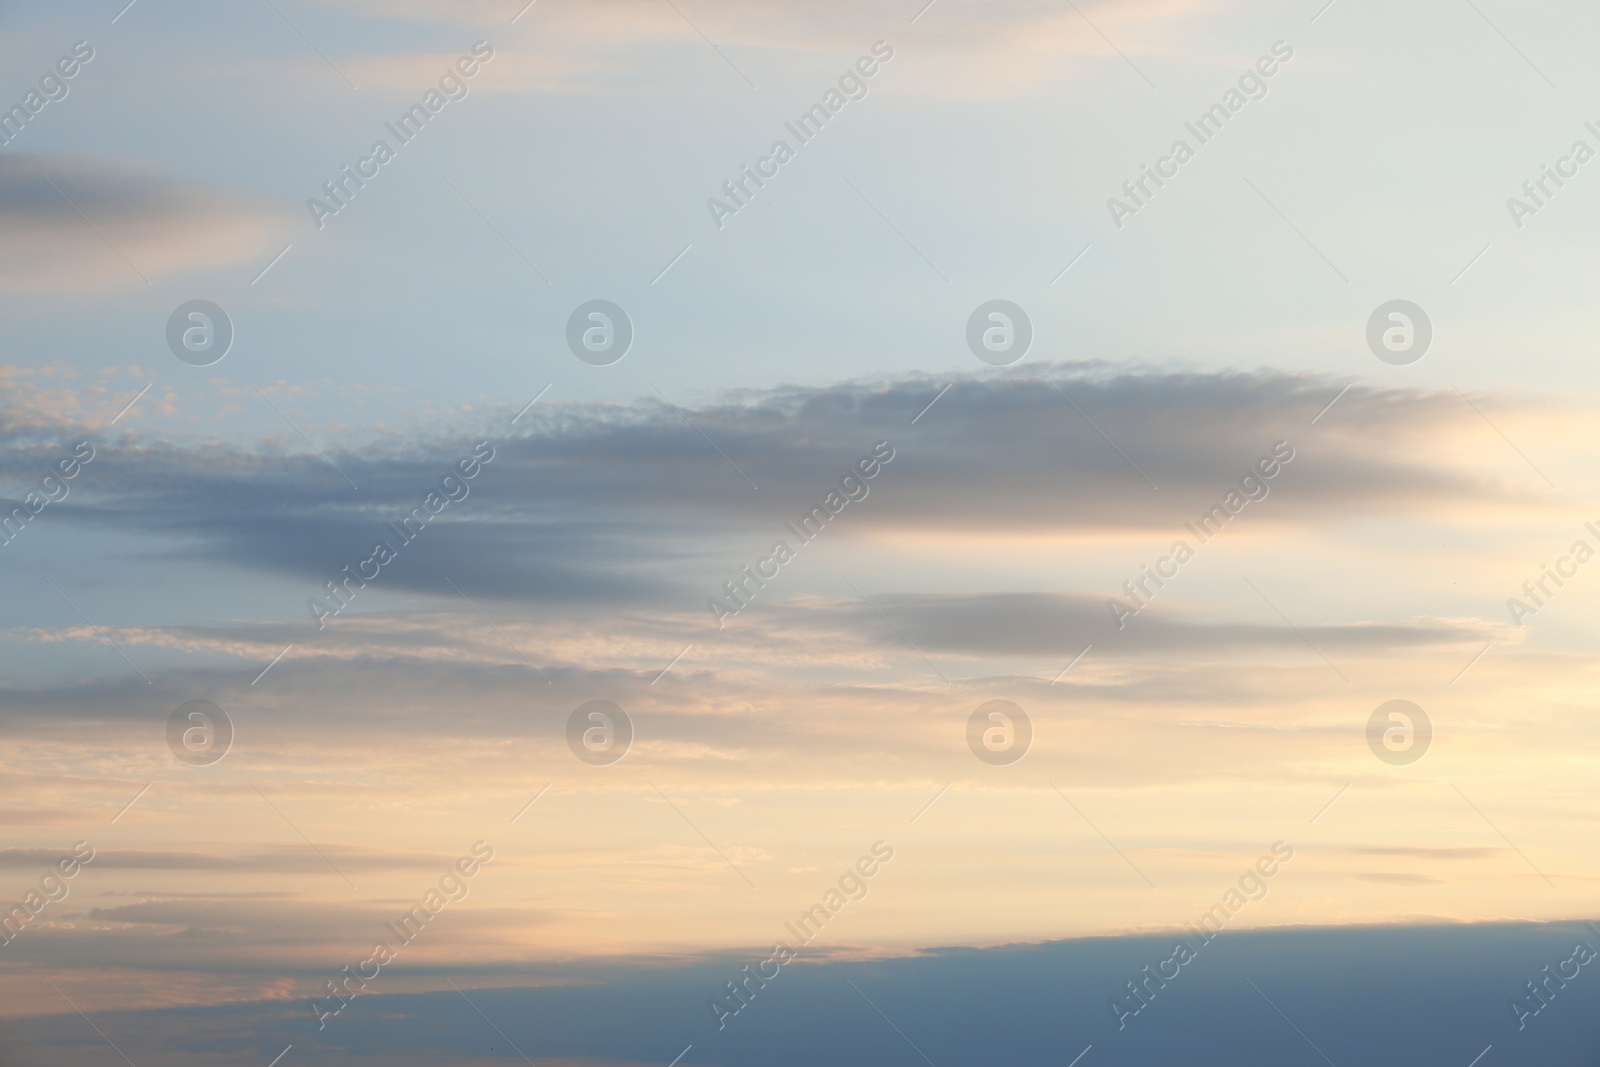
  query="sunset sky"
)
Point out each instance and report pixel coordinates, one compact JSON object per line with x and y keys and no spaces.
{"x":410,"y":354}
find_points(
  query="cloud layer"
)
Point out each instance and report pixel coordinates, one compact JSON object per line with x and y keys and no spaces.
{"x":85,"y":226}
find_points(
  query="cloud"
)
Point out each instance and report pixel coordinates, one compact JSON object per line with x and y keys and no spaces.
{"x":1397,"y":878}
{"x":35,"y":817}
{"x":78,"y":225}
{"x":1043,"y":624}
{"x":268,"y":935}
{"x":45,"y":406}
{"x":394,"y":666}
{"x":638,"y":46}
{"x":288,"y":860}
{"x":1429,"y":853}
{"x":630,"y":504}
{"x":607,"y":1015}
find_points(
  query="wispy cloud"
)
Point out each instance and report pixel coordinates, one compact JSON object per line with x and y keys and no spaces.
{"x":82,"y":225}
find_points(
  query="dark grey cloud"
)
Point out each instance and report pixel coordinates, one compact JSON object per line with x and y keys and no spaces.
{"x":609,"y":505}
{"x":1425,"y":993}
{"x":1053,"y":624}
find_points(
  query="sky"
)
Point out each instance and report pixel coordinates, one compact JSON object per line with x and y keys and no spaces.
{"x":1116,"y":461}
